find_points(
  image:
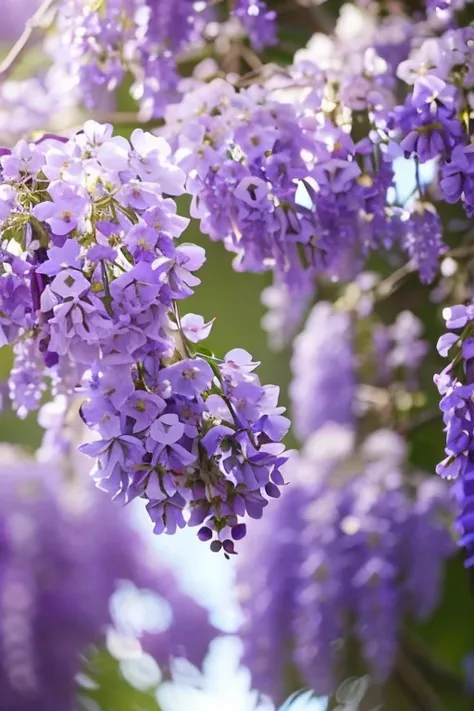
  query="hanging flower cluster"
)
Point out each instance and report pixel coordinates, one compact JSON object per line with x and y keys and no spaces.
{"x":89,"y":291}
{"x":360,"y":537}
{"x":283,"y":188}
{"x":296,"y":172}
{"x":456,"y":385}
{"x":353,"y":553}
{"x":323,"y":366}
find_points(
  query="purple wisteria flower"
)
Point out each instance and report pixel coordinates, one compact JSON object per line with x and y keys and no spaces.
{"x":286,"y":309}
{"x":353,"y":553}
{"x":89,"y":296}
{"x":290,"y":194}
{"x":457,"y":178}
{"x":429,"y":118}
{"x":444,"y":9}
{"x":398,"y":350}
{"x":281,"y":180}
{"x":194,"y":327}
{"x":323,"y":364}
{"x":456,"y":387}
{"x":258,"y":22}
{"x":97,"y":43}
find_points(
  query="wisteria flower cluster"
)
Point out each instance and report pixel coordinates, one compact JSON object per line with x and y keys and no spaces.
{"x":361,"y":538}
{"x":434,"y":121}
{"x":282,"y":189}
{"x":89,"y":292}
{"x":321,"y":366}
{"x":456,"y":384}
{"x":354,"y":552}
{"x":399,"y":350}
{"x":295,"y":174}
{"x":99,"y":42}
{"x":374,"y":380}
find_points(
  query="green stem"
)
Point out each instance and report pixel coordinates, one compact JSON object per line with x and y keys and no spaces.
{"x":184,"y":342}
{"x":128,"y":213}
{"x":107,"y":299}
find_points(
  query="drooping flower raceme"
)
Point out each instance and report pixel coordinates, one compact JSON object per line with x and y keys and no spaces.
{"x":323,"y":387}
{"x":295,"y":173}
{"x":353,"y":553}
{"x":63,"y":551}
{"x":456,"y":386}
{"x":434,"y":120}
{"x":268,"y":592}
{"x":281,"y":190}
{"x":89,"y":291}
{"x":334,"y":382}
{"x":286,"y":310}
{"x":399,"y":350}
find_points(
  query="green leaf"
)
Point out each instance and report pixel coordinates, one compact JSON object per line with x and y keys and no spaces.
{"x":105,"y":685}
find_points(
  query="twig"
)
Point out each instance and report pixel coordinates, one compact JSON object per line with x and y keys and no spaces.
{"x":252,"y":59}
{"x":22,"y":44}
{"x":417,"y":684}
{"x":263,"y":72}
{"x":320,"y":19}
{"x":116,"y":118}
{"x":463,"y":251}
{"x":391,"y":283}
{"x":125,"y":118}
{"x":407,"y":692}
{"x":423,"y":418}
{"x":414,"y":649}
